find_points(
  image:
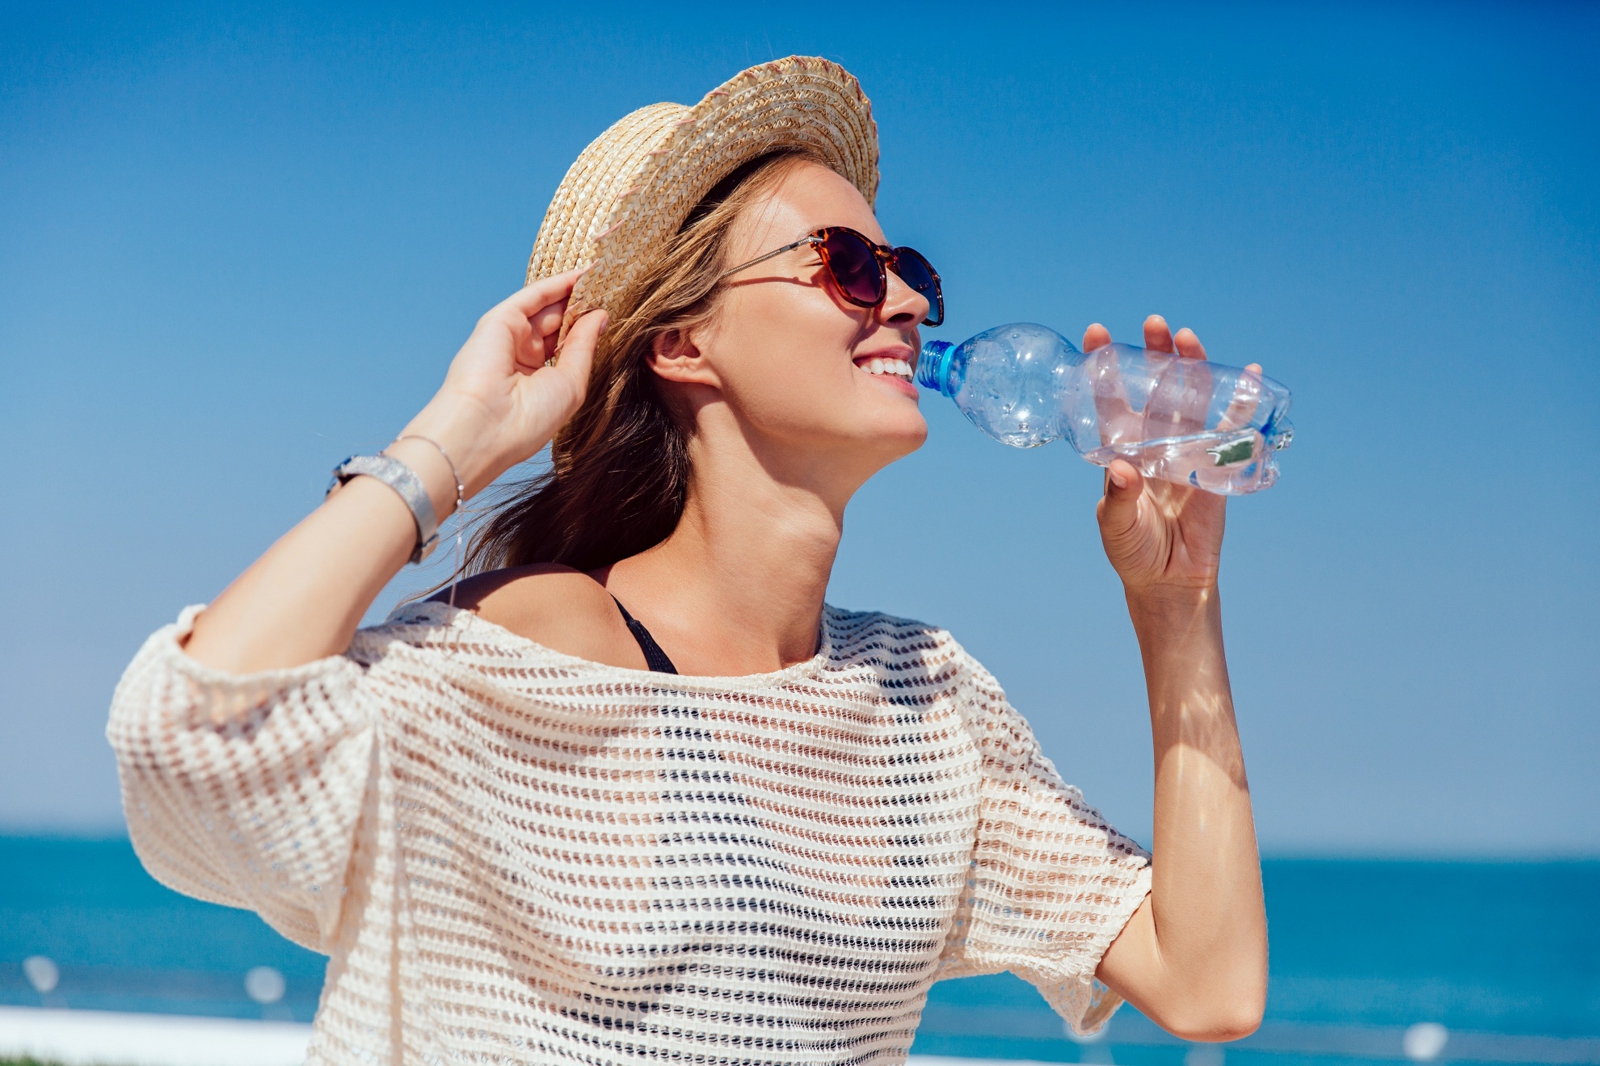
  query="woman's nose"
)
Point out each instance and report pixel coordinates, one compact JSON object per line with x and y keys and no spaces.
{"x":902,"y":306}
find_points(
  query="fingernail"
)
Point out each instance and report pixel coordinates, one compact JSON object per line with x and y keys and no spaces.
{"x":1118,"y":479}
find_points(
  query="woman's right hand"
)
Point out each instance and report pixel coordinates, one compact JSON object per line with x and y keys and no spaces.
{"x":505,"y":395}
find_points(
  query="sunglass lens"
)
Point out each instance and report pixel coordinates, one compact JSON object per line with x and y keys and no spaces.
{"x":854,"y":268}
{"x":918,"y":273}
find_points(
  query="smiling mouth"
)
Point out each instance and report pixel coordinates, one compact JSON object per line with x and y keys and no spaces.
{"x":890,"y":365}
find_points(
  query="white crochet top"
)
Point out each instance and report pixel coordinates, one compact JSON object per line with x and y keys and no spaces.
{"x":517,"y":856}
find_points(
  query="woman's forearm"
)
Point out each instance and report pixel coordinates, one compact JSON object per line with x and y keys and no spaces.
{"x":502,"y":400}
{"x":1207,"y":878}
{"x":1196,"y":954}
{"x":303,"y":599}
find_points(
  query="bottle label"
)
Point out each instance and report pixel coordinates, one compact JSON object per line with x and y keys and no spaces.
{"x":1234,"y":451}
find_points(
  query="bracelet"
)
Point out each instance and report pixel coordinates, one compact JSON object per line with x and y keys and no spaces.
{"x":461,"y":490}
{"x":404,"y":481}
{"x":461,"y":503}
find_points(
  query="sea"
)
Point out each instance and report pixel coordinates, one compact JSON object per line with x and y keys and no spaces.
{"x":1371,"y":961}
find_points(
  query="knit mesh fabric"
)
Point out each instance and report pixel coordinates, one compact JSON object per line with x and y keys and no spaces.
{"x":517,"y":856}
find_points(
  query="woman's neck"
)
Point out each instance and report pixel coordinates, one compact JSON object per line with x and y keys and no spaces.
{"x":738,"y":587}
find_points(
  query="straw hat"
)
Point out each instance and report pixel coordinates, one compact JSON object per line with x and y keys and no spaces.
{"x":632,"y":188}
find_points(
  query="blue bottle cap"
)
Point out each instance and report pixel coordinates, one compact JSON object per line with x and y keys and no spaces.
{"x":933,"y":366}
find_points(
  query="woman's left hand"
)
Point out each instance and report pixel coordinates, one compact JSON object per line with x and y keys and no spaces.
{"x":1193,"y":958}
{"x":1159,"y":536}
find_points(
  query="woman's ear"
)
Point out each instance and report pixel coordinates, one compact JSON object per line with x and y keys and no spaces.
{"x":675,"y":356}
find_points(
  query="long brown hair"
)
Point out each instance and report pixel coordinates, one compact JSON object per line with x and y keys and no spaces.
{"x":619,"y":470}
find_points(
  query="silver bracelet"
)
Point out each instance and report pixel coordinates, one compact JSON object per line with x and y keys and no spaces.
{"x":403,"y":480}
{"x":461,"y":503}
{"x":461,"y":490}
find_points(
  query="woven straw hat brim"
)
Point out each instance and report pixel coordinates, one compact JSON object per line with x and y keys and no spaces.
{"x":629,"y":192}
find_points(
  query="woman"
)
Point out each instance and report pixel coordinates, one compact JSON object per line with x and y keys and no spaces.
{"x":632,"y":791}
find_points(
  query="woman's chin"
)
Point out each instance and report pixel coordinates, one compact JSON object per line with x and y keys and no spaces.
{"x":899,"y":434}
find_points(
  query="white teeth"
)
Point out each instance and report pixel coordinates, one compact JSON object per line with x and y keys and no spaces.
{"x":888,"y":366}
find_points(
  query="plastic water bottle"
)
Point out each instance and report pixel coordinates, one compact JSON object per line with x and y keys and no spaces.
{"x":1189,"y":421}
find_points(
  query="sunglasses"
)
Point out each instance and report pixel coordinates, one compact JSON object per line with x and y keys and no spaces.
{"x":860,"y":269}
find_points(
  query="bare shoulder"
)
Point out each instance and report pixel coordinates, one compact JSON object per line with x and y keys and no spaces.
{"x":553,"y":605}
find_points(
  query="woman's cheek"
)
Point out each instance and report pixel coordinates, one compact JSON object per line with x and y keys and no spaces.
{"x":781,"y":394}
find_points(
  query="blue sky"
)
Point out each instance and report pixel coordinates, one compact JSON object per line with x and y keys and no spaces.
{"x":239,"y":244}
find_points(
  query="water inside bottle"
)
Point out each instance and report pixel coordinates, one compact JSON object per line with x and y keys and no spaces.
{"x":1228,"y":462}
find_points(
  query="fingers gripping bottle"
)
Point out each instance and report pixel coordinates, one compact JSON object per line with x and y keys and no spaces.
{"x":1189,"y":421}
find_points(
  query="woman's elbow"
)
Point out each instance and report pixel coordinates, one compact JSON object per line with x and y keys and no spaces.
{"x":1221,"y":1028}
{"x":1217,"y":1019}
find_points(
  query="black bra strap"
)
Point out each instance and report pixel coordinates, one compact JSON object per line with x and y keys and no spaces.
{"x":652,"y":651}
